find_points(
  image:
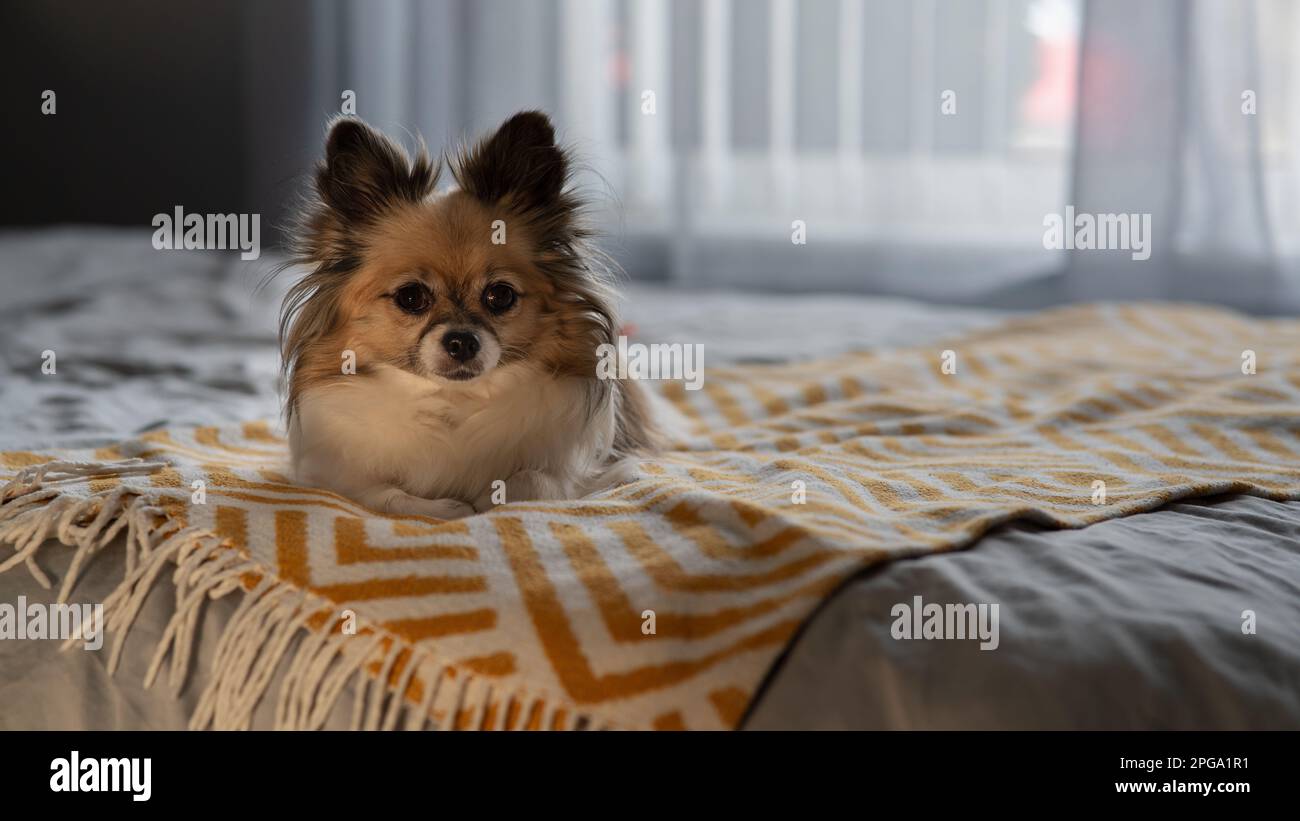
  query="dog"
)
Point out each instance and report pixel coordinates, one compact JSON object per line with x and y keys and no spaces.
{"x":440,"y":354}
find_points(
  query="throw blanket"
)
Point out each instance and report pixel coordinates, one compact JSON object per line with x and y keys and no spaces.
{"x":663,"y":603}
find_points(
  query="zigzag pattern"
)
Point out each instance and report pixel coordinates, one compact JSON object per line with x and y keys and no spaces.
{"x":792,"y":478}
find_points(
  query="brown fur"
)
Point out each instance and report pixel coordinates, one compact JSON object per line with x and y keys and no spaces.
{"x":376,"y":223}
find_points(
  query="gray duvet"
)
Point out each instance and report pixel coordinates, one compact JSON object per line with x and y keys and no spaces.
{"x":1186,"y":617}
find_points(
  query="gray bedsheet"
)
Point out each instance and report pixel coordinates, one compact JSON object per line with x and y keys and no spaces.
{"x":1134,"y":623}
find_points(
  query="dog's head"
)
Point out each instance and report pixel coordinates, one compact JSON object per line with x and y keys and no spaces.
{"x":446,"y":285}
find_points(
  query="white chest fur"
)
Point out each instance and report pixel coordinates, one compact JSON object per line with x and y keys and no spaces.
{"x":445,"y":439}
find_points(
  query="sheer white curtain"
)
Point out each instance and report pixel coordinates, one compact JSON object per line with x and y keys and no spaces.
{"x":1186,"y":113}
{"x":919,"y":143}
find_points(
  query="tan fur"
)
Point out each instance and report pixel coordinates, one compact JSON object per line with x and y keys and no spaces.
{"x":402,"y":232}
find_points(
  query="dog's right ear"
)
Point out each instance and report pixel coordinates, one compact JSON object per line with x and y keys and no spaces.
{"x":364,"y":173}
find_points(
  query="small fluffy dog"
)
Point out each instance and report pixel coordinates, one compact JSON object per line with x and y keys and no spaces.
{"x":442,"y":341}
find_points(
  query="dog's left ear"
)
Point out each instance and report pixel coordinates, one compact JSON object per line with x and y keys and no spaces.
{"x":520,"y":164}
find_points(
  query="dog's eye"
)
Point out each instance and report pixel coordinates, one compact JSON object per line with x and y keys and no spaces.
{"x":499,"y":297}
{"x":413,"y":298}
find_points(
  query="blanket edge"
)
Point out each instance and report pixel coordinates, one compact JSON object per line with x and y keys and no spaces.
{"x":396,"y":682}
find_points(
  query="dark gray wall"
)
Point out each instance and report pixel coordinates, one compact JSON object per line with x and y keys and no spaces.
{"x":214,"y":106}
{"x":149,"y":107}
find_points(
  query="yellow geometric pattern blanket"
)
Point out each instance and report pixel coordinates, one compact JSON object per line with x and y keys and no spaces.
{"x":663,"y":603}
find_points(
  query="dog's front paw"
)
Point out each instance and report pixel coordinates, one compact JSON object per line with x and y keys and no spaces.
{"x":448,"y":509}
{"x":484,"y":503}
{"x":396,"y":501}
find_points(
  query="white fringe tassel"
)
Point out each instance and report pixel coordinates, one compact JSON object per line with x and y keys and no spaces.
{"x":260,"y":634}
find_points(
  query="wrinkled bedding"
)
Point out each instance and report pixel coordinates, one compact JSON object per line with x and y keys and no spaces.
{"x":1132,"y":623}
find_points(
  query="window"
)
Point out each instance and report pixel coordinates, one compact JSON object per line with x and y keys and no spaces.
{"x":928,"y":122}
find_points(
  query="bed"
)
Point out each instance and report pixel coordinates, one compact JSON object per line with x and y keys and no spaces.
{"x":1131,"y":623}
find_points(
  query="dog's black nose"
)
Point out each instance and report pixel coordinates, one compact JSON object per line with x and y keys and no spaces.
{"x":461,"y":345}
